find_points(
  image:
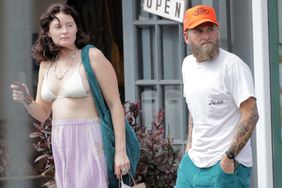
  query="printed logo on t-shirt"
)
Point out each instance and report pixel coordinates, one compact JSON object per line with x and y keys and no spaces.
{"x":215,"y":101}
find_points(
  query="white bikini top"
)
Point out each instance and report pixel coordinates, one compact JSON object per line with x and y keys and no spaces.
{"x":73,"y":88}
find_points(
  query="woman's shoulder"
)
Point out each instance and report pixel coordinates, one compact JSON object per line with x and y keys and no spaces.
{"x":44,"y":65}
{"x":95,"y":52}
{"x":96,"y":55}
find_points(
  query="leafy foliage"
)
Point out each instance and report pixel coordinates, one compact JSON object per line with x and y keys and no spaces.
{"x":158,"y":163}
{"x":42,"y":144}
{"x":159,"y":160}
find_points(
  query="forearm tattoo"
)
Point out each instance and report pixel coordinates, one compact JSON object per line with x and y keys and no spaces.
{"x":244,"y":131}
{"x":190,"y":127}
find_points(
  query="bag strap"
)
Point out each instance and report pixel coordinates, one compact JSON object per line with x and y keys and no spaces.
{"x":130,"y":178}
{"x":97,"y":95}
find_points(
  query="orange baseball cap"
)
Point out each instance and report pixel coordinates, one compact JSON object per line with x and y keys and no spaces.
{"x":198,"y":15}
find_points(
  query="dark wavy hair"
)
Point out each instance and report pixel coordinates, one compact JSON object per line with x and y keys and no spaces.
{"x":44,"y":48}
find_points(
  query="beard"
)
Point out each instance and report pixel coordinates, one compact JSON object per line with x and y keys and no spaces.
{"x":204,"y":53}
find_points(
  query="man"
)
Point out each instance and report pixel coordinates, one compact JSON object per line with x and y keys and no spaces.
{"x":219,"y":91}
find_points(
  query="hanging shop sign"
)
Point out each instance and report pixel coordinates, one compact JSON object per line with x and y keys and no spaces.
{"x":171,"y":9}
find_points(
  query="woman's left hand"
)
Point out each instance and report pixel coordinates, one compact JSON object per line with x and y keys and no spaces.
{"x":122,"y":163}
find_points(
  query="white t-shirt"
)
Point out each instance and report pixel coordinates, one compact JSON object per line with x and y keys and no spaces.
{"x":214,"y":91}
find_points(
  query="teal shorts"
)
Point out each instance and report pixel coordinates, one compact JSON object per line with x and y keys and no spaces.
{"x":190,"y":176}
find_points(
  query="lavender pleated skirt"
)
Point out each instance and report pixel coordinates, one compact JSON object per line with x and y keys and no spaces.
{"x":78,"y":154}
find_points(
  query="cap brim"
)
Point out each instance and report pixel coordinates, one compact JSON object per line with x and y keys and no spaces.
{"x":200,"y":22}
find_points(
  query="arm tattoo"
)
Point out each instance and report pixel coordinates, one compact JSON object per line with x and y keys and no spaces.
{"x":244,"y":131}
{"x":190,"y":127}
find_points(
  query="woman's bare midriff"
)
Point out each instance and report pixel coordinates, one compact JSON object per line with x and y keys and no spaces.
{"x":74,"y":108}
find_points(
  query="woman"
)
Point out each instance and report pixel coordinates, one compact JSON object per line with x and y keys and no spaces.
{"x":64,"y":92}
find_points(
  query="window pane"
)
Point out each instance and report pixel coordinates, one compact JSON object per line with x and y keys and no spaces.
{"x":173,"y":111}
{"x":170,"y":52}
{"x":149,"y":105}
{"x":146,"y":52}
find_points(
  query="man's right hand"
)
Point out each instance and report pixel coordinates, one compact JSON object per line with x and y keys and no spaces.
{"x":227,"y":165}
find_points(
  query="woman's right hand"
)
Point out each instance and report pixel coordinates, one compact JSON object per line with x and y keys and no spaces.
{"x":21,"y":93}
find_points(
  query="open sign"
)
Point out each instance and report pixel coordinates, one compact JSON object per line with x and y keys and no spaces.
{"x":171,"y":9}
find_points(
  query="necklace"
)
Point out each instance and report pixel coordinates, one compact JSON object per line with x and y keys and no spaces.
{"x":61,"y":74}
